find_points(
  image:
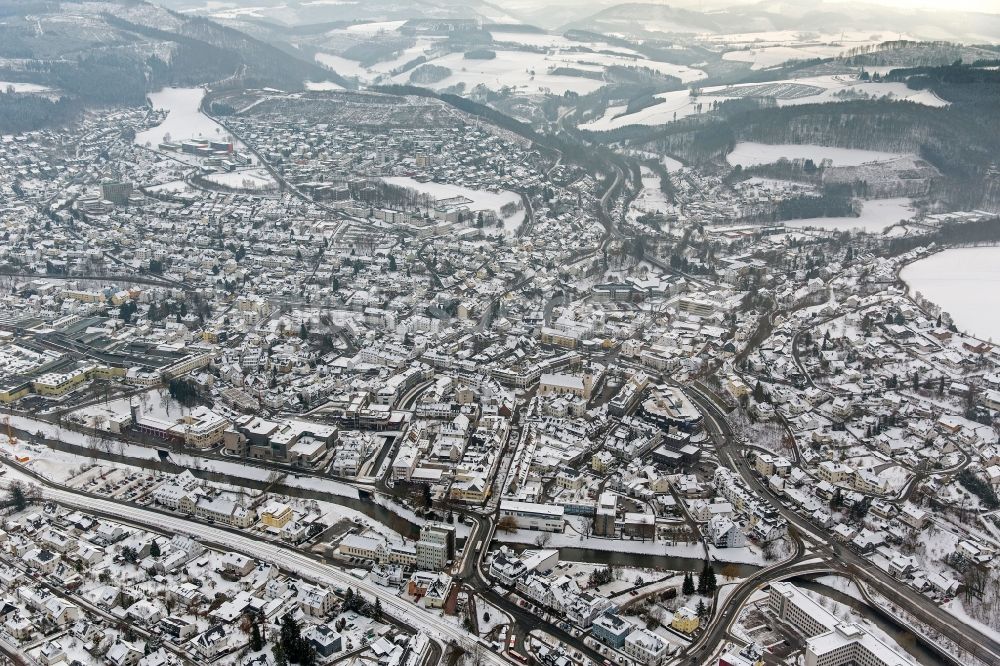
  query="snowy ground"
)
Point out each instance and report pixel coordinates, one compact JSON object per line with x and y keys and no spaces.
{"x":747,"y":153}
{"x":22,"y":87}
{"x":173,"y":187}
{"x":490,"y":617}
{"x":962,"y":282}
{"x":481,"y":199}
{"x":956,"y":608}
{"x":769,"y":56}
{"x":323,"y":85}
{"x":841,"y":584}
{"x":249,"y":179}
{"x":184,"y":120}
{"x":876,"y":215}
{"x":650,"y":198}
{"x":156,"y":403}
{"x":523,"y":70}
{"x":343,"y":66}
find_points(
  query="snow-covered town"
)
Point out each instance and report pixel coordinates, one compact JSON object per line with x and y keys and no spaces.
{"x":471,"y":359}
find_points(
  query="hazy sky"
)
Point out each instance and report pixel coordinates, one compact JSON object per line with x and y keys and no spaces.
{"x":990,"y":6}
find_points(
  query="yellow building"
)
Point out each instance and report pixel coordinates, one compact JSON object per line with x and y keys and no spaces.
{"x":552,"y":336}
{"x":470,"y":489}
{"x":13,"y":392}
{"x":276,"y":515}
{"x":59,"y":383}
{"x":599,"y":462}
{"x":685,"y":620}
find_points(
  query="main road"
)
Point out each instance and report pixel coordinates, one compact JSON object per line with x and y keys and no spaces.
{"x":843,"y":559}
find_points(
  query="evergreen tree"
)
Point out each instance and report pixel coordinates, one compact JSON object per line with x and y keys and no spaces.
{"x":291,"y":637}
{"x":702,"y":609}
{"x":710,"y":582}
{"x":701,"y":580}
{"x":17,"y":497}
{"x":154,"y":549}
{"x":377,"y":615}
{"x":279,"y":655}
{"x":256,"y":640}
{"x":688,"y":587}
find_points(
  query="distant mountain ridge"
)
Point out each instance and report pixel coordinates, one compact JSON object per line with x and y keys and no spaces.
{"x":645,"y":18}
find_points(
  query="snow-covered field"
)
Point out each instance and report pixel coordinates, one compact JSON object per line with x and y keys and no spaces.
{"x":342,"y":66}
{"x":481,"y":199}
{"x":173,"y":187}
{"x":962,"y":281}
{"x":650,"y":198}
{"x":22,"y":87}
{"x":323,"y":85}
{"x":769,"y":56}
{"x":771,"y":48}
{"x":550,"y":41}
{"x":375,"y":27}
{"x":156,"y":403}
{"x":249,"y":179}
{"x":184,"y":120}
{"x":522,"y":70}
{"x":876,"y":215}
{"x":808,"y":90}
{"x":748,"y":153}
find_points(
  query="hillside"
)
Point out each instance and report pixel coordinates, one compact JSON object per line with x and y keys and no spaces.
{"x":111,"y":53}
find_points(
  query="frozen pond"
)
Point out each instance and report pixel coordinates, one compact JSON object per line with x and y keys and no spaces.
{"x":184,"y":118}
{"x":876,"y":215}
{"x":748,"y":153}
{"x":963,"y":282}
